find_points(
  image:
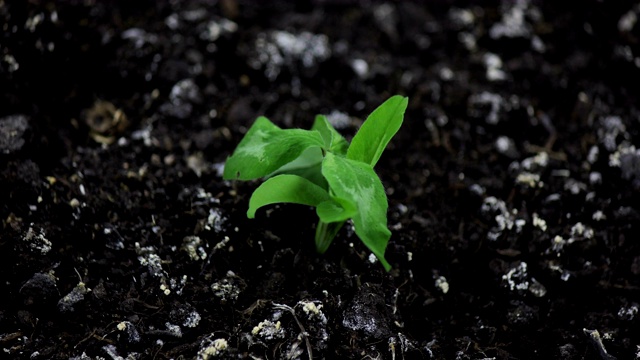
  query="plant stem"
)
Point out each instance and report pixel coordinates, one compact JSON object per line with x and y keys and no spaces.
{"x":325,"y":232}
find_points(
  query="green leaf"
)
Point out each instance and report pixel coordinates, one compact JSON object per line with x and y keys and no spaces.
{"x":336,"y":210}
{"x":332,"y":138}
{"x":308,"y":165}
{"x":265,"y":148}
{"x":286,"y":189}
{"x":376,"y":132}
{"x":356,"y":182}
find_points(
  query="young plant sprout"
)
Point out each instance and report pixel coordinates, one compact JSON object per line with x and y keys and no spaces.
{"x":319,"y":168}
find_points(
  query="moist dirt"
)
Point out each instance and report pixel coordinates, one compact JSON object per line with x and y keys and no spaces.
{"x":513,"y":184}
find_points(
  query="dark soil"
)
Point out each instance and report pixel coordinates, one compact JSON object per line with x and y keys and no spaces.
{"x":513,"y":184}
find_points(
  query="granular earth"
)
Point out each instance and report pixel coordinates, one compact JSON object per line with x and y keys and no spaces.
{"x":513,"y":184}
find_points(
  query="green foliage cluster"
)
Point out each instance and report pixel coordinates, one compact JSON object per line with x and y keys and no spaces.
{"x":319,"y":168}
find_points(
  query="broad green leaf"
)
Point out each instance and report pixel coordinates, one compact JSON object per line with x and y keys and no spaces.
{"x":286,"y":189}
{"x":356,"y":182}
{"x":377,"y":130}
{"x":308,"y":165}
{"x":332,"y":138}
{"x":336,"y":210}
{"x":265,"y":148}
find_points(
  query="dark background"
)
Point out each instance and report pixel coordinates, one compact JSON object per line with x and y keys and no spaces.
{"x":514,"y":180}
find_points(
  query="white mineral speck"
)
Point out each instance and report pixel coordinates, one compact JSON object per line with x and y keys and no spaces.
{"x":462,"y":17}
{"x":580,"y":231}
{"x":627,"y":21}
{"x":628,"y":312}
{"x":212,"y":348}
{"x":11,"y":61}
{"x":360,"y":67}
{"x":442,"y":284}
{"x":592,"y":157}
{"x":537,"y":289}
{"x":599,"y":216}
{"x":338,"y":119}
{"x":174,"y":330}
{"x":513,"y":22}
{"x":504,"y":144}
{"x":493,"y":63}
{"x":539,"y":222}
{"x":446,"y":74}
{"x":530,"y":179}
{"x":468,"y":40}
{"x":222,"y":243}
{"x":495,"y":101}
{"x":192,"y":320}
{"x":541,"y":159}
{"x":192,"y":245}
{"x":477,"y":189}
{"x":538,"y":45}
{"x":516,"y":277}
{"x":309,"y":307}
{"x":165,"y":289}
{"x":269,"y":330}
{"x":557,"y":243}
{"x":37,"y":240}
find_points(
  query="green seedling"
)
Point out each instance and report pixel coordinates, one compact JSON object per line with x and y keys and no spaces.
{"x":319,"y":168}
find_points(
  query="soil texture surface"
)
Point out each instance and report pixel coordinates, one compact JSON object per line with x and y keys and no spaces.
{"x":513,"y":184}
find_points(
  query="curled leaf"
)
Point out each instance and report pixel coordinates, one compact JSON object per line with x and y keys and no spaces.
{"x":265,"y":148}
{"x":286,"y":189}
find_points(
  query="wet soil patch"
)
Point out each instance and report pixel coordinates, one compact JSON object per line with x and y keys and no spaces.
{"x":513,"y":184}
